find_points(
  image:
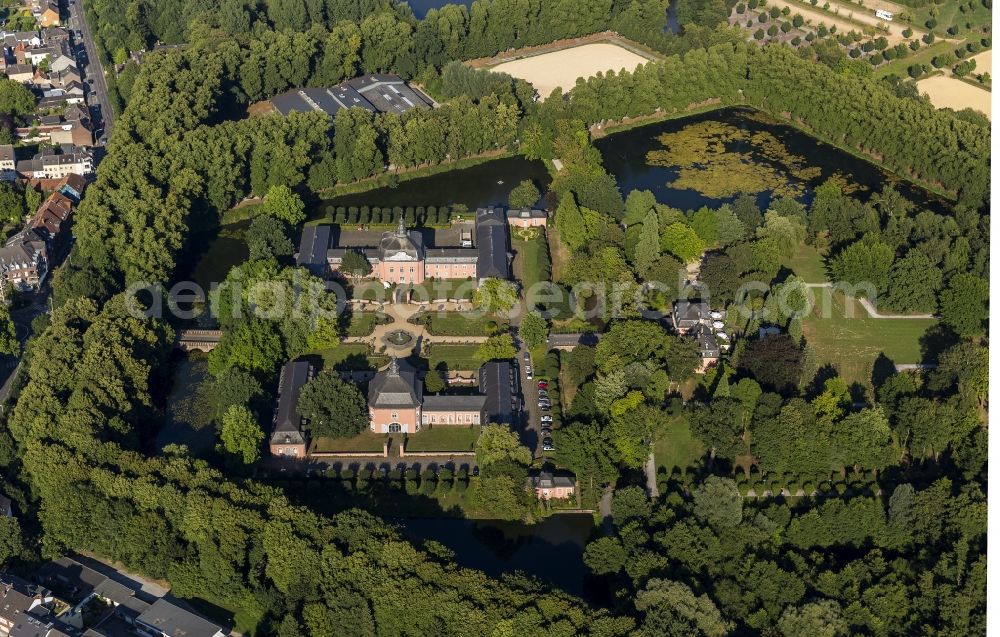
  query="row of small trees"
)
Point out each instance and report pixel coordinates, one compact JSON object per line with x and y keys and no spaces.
{"x":420,"y":215}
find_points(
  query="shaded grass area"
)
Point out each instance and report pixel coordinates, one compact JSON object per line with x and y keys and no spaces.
{"x":807,"y":263}
{"x":444,"y":438}
{"x":349,"y":356}
{"x":433,"y":289}
{"x":456,"y":323}
{"x":364,"y":441}
{"x":845,"y":337}
{"x":532,"y":258}
{"x":677,"y":447}
{"x":361,"y":324}
{"x":453,"y":357}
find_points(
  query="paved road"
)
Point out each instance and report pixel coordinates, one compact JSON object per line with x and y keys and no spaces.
{"x":92,"y":69}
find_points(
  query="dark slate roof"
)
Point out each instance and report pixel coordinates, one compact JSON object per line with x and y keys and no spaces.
{"x":452,"y":255}
{"x":388,"y":93}
{"x":547,"y":480}
{"x":707,"y":343}
{"x":400,"y":241}
{"x":454,"y":403}
{"x":174,"y":621}
{"x":690,"y":312}
{"x":313,"y":246}
{"x":395,"y":386}
{"x":287,"y":422}
{"x":491,"y":240}
{"x":375,"y":93}
{"x":495,"y":381}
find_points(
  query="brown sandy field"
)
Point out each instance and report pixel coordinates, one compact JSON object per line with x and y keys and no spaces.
{"x":561,"y":68}
{"x":950,"y":92}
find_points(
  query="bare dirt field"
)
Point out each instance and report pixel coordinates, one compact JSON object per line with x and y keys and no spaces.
{"x":984,"y":62}
{"x":562,"y":68}
{"x":950,"y":92}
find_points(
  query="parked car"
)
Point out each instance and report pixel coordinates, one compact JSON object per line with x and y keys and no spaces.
{"x":527,"y":372}
{"x":546,"y":431}
{"x":545,"y":407}
{"x":546,"y":420}
{"x":547,"y":445}
{"x":543,"y":393}
{"x":543,"y":384}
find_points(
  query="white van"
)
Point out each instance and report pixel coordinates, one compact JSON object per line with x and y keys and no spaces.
{"x":883,"y":15}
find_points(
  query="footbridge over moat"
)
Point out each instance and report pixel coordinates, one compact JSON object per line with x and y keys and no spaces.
{"x":202,"y":340}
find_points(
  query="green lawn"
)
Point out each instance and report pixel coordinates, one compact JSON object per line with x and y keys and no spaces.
{"x":433,"y":289}
{"x":532,"y":260}
{"x":807,"y":263}
{"x":677,"y":447}
{"x":364,"y":441}
{"x":444,"y":438}
{"x":923,"y":55}
{"x":362,"y":324}
{"x":354,"y":356}
{"x":456,"y":323}
{"x":949,"y":14}
{"x":453,"y":357}
{"x":851,"y":345}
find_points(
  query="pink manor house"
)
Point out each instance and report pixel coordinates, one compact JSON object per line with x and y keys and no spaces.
{"x":402,"y":257}
{"x":397,"y":404}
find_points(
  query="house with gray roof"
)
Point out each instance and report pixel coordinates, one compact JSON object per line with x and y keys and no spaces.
{"x":287,"y":436}
{"x":493,"y":244}
{"x":547,"y":485}
{"x":166,"y":619}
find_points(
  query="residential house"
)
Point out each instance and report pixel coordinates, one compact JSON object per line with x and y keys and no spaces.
{"x":51,"y":165}
{"x":708,"y":347}
{"x":687,"y":315}
{"x":58,"y":55}
{"x":20,"y":55}
{"x":79,"y":584}
{"x":25,"y":38}
{"x":24,"y":608}
{"x":548,"y":486}
{"x":57,"y":129}
{"x":527,"y":217}
{"x":288,"y":437}
{"x":49,"y":15}
{"x":8,"y":163}
{"x":165,"y":619}
{"x":59,"y":101}
{"x":23,"y":262}
{"x":52,"y":221}
{"x":40,"y":80}
{"x":72,"y":185}
{"x":65,"y":77}
{"x":23,"y":73}
{"x":55,"y":34}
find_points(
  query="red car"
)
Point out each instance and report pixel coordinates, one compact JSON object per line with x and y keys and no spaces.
{"x":543,"y":384}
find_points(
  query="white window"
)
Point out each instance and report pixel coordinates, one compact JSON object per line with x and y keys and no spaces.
{"x":395,"y":428}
